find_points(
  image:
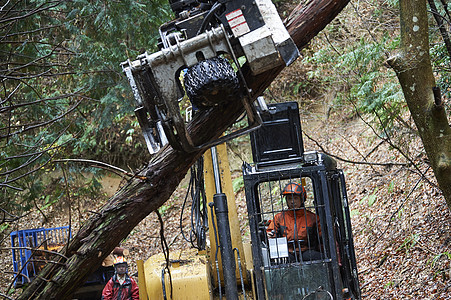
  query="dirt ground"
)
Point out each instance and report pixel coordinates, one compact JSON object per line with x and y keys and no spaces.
{"x":401,"y":223}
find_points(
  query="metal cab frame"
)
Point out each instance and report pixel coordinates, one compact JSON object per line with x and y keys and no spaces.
{"x":275,"y":164}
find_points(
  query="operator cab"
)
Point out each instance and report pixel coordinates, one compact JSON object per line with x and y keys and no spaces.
{"x":319,"y":263}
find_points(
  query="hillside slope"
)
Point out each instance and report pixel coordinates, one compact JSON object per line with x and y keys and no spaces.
{"x":400,"y":222}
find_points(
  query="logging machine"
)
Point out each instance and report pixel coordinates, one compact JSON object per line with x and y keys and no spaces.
{"x":244,"y":263}
{"x":232,"y":262}
{"x":201,"y":56}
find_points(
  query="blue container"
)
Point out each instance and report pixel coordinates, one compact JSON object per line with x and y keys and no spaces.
{"x":22,"y":243}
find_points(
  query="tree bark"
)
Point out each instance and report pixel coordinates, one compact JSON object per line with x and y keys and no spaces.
{"x":154,"y":185}
{"x":414,"y":71}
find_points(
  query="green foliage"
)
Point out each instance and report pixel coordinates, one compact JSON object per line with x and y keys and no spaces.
{"x":238,"y":184}
{"x":354,"y":212}
{"x":360,"y":76}
{"x":409,"y":242}
{"x":371,"y":199}
{"x":440,"y":255}
{"x":389,"y":284}
{"x":63,"y":93}
{"x":438,"y":269}
{"x":3,"y":227}
{"x":441,"y":63}
{"x":393,"y":3}
{"x":48,"y":202}
{"x":163,"y":209}
{"x":391,"y":187}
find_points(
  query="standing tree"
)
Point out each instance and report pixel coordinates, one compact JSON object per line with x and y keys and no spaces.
{"x":413,"y":68}
{"x":154,"y":185}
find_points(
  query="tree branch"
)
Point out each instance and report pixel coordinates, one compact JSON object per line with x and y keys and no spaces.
{"x":39,"y":9}
{"x":114,"y":169}
{"x":389,"y":164}
{"x":441,"y":26}
{"x":30,"y":127}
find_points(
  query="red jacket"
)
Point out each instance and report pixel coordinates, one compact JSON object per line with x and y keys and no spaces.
{"x":113,"y":290}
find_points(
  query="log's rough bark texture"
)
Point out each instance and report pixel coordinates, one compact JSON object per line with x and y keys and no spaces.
{"x":104,"y":230}
{"x":413,"y":68}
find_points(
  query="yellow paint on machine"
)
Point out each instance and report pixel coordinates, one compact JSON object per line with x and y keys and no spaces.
{"x":189,"y":273}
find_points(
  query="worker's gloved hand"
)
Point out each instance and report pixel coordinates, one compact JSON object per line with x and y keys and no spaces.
{"x":281,"y":231}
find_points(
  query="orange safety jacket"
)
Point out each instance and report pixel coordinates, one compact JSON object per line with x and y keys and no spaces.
{"x":304,"y":221}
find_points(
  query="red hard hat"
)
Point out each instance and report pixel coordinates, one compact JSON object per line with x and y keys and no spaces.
{"x":293,"y":188}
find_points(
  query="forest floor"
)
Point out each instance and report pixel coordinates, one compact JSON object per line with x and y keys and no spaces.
{"x":401,"y":224}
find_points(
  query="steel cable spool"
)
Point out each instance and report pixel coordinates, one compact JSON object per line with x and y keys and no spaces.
{"x":211,"y":82}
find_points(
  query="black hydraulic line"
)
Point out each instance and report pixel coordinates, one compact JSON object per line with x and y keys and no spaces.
{"x":199,"y":206}
{"x":225,"y":240}
{"x":241,"y":271}
{"x":165,"y":247}
{"x":211,"y":204}
{"x":224,"y":236}
{"x":216,"y":253}
{"x":208,"y":17}
{"x":199,"y":218}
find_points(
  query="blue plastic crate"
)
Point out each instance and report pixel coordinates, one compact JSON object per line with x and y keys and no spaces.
{"x":23,"y":241}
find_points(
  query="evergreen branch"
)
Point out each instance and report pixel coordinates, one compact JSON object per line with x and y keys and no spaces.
{"x":102,"y":165}
{"x":41,"y":124}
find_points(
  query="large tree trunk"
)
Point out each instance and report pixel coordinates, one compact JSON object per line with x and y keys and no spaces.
{"x":99,"y":235}
{"x":413,"y":67}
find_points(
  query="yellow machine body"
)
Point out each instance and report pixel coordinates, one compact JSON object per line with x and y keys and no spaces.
{"x":189,"y":274}
{"x":194,"y":275}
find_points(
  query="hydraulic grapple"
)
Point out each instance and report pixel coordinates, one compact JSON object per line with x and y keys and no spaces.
{"x":201,"y":53}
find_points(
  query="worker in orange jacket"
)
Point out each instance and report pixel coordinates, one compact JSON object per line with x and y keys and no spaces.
{"x":300,"y":226}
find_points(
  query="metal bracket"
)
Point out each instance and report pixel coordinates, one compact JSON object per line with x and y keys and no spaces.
{"x":156,"y":90}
